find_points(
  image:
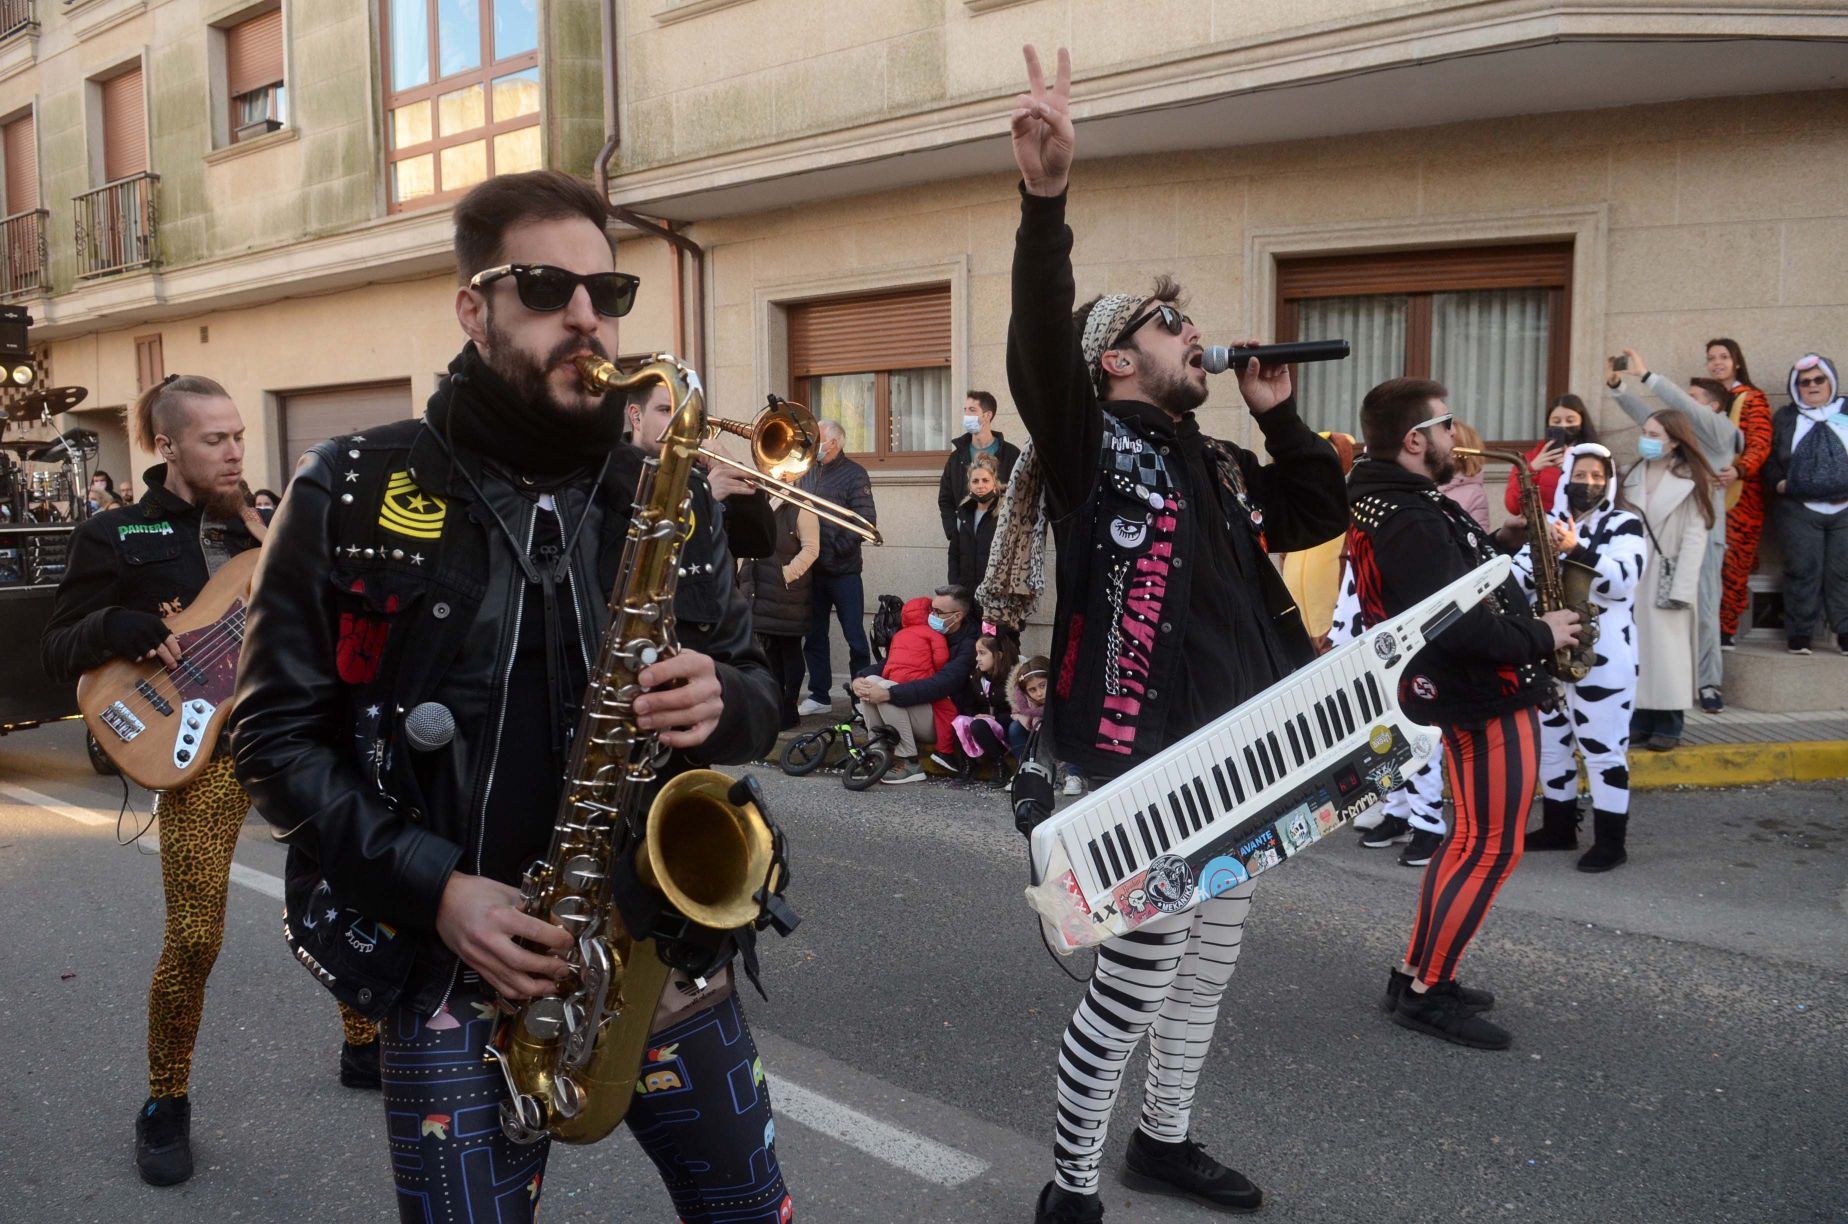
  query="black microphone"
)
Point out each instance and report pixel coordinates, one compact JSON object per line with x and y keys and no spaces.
{"x":1219,"y":358}
{"x":429,"y":726}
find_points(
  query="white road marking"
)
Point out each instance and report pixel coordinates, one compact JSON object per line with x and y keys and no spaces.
{"x":916,"y":1154}
{"x":900,"y":1148}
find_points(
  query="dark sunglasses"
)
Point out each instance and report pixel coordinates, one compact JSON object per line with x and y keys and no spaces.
{"x":545,"y":288}
{"x":1447,"y":421}
{"x":1821,"y":380}
{"x":1172,"y":320}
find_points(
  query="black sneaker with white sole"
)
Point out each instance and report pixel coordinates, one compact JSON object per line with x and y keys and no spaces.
{"x":1439,"y":1012}
{"x":1186,"y":1170}
{"x":1421,"y":849}
{"x":1392,"y":831}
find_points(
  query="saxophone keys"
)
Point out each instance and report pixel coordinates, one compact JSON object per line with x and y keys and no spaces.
{"x":567,"y":1097}
{"x":545,"y":1019}
{"x":574,"y":913}
{"x":582,"y":873}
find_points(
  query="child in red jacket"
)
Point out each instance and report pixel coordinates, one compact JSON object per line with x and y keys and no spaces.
{"x":919,"y":652}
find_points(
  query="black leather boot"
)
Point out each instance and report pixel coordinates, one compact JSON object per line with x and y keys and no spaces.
{"x":1607,"y":850}
{"x":1559,"y":821}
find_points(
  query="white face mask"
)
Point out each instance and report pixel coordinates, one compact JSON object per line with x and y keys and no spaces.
{"x":972,"y":423}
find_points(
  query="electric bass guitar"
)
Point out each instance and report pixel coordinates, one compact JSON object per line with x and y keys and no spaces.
{"x":159,"y":724}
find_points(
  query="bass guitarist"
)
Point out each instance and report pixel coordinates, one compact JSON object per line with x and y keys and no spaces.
{"x":129,"y":567}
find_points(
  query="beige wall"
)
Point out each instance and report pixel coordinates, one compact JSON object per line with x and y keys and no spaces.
{"x":380,"y":333}
{"x":1726,"y":216}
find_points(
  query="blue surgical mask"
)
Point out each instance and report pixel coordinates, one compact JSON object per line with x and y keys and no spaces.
{"x":972,"y":424}
{"x":938,"y":623}
{"x":1651,"y":448}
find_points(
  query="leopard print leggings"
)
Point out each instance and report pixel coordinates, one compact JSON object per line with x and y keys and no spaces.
{"x":199,"y":825}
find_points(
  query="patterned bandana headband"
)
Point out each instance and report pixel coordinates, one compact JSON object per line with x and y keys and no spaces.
{"x":1107,"y":319}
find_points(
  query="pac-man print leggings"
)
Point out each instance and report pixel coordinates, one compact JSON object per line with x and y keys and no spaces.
{"x":199,"y":823}
{"x":1492,"y":770}
{"x":1168,"y":974}
{"x":701,"y":1112}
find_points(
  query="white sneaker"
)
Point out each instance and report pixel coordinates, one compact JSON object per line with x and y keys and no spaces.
{"x":811,"y":706}
{"x":1074,"y":785}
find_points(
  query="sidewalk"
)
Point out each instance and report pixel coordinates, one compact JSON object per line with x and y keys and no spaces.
{"x":1736,"y":748}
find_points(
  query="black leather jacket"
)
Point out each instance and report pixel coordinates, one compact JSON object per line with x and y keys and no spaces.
{"x":353,"y":623}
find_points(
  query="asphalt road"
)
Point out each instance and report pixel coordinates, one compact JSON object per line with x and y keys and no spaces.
{"x":1679,"y":1052}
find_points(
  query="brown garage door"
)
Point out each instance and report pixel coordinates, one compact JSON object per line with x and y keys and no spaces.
{"x":309,"y":417}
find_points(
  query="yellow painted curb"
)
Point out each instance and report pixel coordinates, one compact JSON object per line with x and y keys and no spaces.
{"x":1739,"y":764}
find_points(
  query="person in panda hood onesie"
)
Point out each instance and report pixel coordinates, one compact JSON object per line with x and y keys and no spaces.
{"x":1594,"y":717}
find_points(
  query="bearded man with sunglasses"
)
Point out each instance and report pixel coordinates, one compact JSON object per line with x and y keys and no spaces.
{"x":1169,"y":615}
{"x":1481,"y":682}
{"x":417,"y":649}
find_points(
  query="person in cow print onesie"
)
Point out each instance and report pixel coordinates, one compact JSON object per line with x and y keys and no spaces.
{"x":1594,"y":718}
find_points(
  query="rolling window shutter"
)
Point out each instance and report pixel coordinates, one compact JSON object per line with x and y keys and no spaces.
{"x":253,"y":53}
{"x":21,"y":152}
{"x":125,"y":128}
{"x":892,"y":331}
{"x":1450,"y":269}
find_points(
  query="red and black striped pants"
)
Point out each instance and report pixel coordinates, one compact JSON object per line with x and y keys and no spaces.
{"x":1492,"y":770}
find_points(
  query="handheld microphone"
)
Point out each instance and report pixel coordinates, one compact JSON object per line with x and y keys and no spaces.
{"x":429,"y":726}
{"x":1219,"y":358}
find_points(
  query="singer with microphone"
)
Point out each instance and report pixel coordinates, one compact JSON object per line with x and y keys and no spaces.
{"x":1169,"y":615}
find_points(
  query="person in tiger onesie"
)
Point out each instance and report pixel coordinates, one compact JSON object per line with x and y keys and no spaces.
{"x":1481,"y":682}
{"x":1594,"y":719}
{"x":1745,"y":493}
{"x":129,"y":567}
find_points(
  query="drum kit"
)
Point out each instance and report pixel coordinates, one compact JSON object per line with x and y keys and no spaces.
{"x":44,"y":480}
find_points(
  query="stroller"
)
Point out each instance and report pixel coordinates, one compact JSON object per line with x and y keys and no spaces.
{"x":887,"y":621}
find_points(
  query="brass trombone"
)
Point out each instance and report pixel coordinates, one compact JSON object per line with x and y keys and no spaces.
{"x":784,"y":442}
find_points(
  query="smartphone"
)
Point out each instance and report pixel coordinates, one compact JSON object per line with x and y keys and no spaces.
{"x":1620,"y":363}
{"x":1558,"y":436}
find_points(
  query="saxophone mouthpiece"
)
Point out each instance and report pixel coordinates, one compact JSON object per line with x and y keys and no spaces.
{"x":597,"y":373}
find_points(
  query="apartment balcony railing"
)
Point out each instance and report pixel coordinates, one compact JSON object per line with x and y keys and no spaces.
{"x":22,"y":253}
{"x":17,"y":15}
{"x":117,"y":226}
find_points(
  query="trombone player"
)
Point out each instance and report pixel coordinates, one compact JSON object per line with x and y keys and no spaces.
{"x":418,"y":648}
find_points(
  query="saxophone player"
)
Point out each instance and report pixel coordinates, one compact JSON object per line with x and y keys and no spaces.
{"x":1482,"y":683}
{"x":418,"y":650}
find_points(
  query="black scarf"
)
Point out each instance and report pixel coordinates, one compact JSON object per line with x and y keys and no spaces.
{"x":482,"y":414}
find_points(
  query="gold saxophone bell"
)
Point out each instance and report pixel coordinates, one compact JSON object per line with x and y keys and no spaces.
{"x":706,"y":854}
{"x":784,"y":442}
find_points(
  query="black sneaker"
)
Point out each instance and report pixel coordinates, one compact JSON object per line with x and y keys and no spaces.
{"x":1799,"y":645}
{"x":1726,"y":641}
{"x":1389,"y":832}
{"x":1061,"y":1206}
{"x":1396,"y":982}
{"x":359,"y":1065}
{"x":1710,"y":700}
{"x":1421,"y":849}
{"x":163,"y":1141}
{"x":1841,"y":642}
{"x":1185,"y":1169}
{"x":1439,"y":1012}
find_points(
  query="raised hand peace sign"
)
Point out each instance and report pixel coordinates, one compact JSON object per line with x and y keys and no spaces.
{"x":1042,"y":127}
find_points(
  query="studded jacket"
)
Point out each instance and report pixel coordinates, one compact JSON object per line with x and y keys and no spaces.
{"x":1133,"y":541}
{"x":1407,"y":540}
{"x":385,"y":585}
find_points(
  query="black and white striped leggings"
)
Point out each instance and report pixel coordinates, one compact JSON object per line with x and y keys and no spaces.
{"x":1169,"y":974}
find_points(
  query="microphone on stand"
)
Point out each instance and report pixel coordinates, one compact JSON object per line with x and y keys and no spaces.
{"x":1219,"y":358}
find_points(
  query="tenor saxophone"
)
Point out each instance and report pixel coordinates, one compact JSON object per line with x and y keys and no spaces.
{"x":640,"y":893}
{"x":1559,"y":582}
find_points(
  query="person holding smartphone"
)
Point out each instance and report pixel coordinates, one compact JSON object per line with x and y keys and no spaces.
{"x":1568,"y":424}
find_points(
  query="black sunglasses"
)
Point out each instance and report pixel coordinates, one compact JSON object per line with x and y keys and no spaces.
{"x":1172,"y":320}
{"x":545,"y":288}
{"x":1821,"y":380}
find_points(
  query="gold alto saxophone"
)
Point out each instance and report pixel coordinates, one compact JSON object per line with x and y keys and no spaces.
{"x":639,"y":893}
{"x":1559,"y":582}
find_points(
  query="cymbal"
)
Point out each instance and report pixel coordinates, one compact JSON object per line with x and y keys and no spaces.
{"x":52,"y":400}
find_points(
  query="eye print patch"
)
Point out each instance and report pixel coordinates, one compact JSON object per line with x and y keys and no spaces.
{"x":1128,"y":532}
